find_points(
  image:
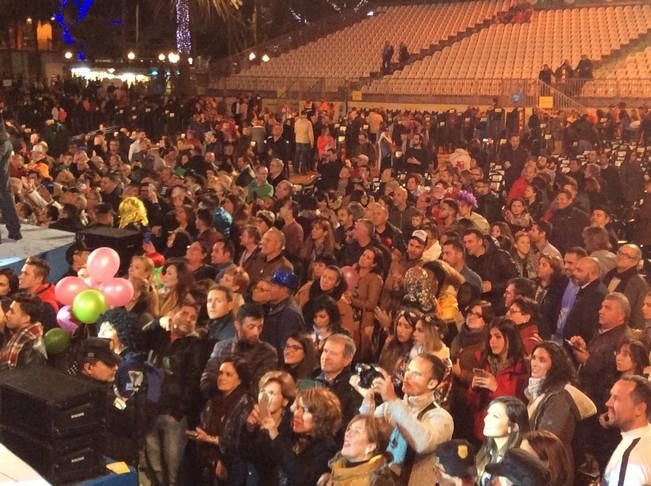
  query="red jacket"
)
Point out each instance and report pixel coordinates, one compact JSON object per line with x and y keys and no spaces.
{"x":511,"y":381}
{"x":46,"y":293}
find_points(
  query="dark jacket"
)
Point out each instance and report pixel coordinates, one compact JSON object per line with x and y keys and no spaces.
{"x":583,"y":319}
{"x":281,"y":321}
{"x":568,"y":227}
{"x":557,"y":413}
{"x":261,"y":357}
{"x":599,"y":373}
{"x":634,"y":287}
{"x":304,"y":468}
{"x":182,"y":362}
{"x":221,"y":328}
{"x":496,"y":266}
{"x":266,"y":472}
{"x":549,"y":306}
{"x":642,"y":224}
{"x":347,"y":395}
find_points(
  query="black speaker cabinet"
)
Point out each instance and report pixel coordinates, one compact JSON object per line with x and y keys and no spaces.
{"x":60,"y":461}
{"x":50,"y":404}
{"x":125,"y":242}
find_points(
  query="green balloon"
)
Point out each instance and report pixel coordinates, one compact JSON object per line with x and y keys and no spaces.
{"x":56,"y":341}
{"x":88,"y":306}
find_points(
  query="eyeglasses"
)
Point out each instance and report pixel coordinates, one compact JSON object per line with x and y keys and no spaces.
{"x":293,"y":347}
{"x":514,"y":311}
{"x":626,"y":255}
{"x":476,"y":314}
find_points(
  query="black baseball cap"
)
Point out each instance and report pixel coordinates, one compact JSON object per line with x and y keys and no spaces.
{"x":97,"y":349}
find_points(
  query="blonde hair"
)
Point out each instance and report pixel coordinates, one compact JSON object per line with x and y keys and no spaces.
{"x":132,"y":211}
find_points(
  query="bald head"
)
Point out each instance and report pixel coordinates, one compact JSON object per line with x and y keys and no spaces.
{"x":587,"y":269}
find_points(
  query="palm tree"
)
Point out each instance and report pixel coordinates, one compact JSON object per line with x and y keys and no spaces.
{"x":227,"y":10}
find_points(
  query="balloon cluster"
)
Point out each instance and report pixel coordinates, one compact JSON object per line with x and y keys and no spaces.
{"x":85,"y":299}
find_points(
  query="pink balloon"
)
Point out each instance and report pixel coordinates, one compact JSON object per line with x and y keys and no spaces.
{"x":65,"y":320}
{"x":350,"y":276}
{"x":103,"y":264}
{"x":68,"y":288}
{"x":117,"y":292}
{"x":91,"y":282}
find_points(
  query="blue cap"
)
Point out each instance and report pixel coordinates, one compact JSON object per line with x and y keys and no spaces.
{"x":285,"y":277}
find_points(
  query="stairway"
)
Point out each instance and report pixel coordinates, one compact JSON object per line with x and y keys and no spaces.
{"x":428,"y":51}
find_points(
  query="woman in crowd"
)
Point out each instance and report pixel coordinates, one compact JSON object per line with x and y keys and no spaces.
{"x":222,"y":421}
{"x":464,"y":352}
{"x":303,"y":457}
{"x":328,"y":281}
{"x":395,"y":353}
{"x":517,"y":216}
{"x":237,"y":280}
{"x":300,"y":357}
{"x":632,"y":358}
{"x":8,"y":282}
{"x":504,"y":426}
{"x":535,"y":201}
{"x":363,"y":460}
{"x":551,"y":451}
{"x":502,"y":233}
{"x":502,"y":370}
{"x":276,"y":395}
{"x":365,"y":296}
{"x":554,"y":404}
{"x":177,"y":282}
{"x":524,"y":258}
{"x":321,"y":241}
{"x":427,"y":338}
{"x":325,"y":320}
{"x":549,"y":292}
{"x":142,"y":304}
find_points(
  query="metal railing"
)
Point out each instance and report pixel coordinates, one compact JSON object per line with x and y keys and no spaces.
{"x":522,"y":92}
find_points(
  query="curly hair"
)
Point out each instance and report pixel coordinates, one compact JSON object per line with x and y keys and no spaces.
{"x":562,"y":371}
{"x":325,"y":408}
{"x":126,"y":326}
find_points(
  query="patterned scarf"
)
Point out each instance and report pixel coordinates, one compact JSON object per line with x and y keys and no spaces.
{"x":10,"y":352}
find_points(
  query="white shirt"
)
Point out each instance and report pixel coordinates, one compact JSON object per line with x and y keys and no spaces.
{"x":638,"y":469}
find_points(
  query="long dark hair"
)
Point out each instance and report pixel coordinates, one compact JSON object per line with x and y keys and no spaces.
{"x":638,"y":351}
{"x":309,"y":363}
{"x":516,"y":411}
{"x":325,"y":303}
{"x":562,"y":371}
{"x":515,"y":348}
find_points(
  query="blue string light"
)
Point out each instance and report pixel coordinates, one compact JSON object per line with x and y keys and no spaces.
{"x":83,"y":6}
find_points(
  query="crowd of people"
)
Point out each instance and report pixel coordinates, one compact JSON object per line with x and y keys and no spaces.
{"x":343,"y":298}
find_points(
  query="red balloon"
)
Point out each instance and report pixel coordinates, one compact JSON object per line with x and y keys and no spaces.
{"x":117,"y":292}
{"x":350,"y":276}
{"x":68,"y":288}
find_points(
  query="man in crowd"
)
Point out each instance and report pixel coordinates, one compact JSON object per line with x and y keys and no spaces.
{"x":259,"y":355}
{"x":625,"y":278}
{"x":598,"y":371}
{"x":494,"y":265}
{"x":23,"y":334}
{"x":269,"y":259}
{"x":418,"y":421}
{"x":583,"y":315}
{"x":628,"y":409}
{"x":454,"y":253}
{"x":33,"y":281}
{"x":539,"y":234}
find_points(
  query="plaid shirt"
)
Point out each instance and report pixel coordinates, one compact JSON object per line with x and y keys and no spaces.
{"x":11,"y":351}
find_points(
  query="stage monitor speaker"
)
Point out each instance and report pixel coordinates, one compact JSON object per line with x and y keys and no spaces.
{"x":48,"y":403}
{"x":126,"y":242}
{"x":60,"y":461}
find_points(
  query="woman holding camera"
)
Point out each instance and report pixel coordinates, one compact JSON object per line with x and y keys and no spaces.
{"x":363,"y":460}
{"x":303,"y":456}
{"x":277,"y":393}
